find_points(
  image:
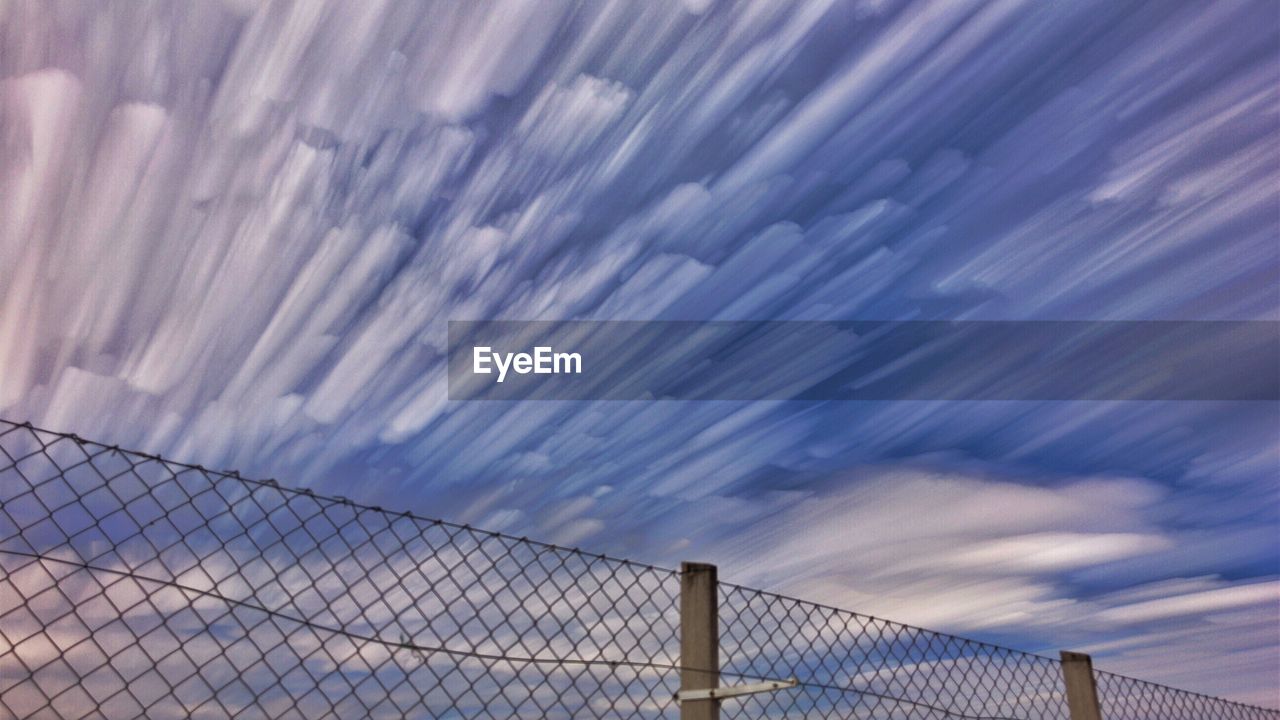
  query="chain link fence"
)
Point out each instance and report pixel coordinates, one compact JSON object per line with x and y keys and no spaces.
{"x":1125,"y":697}
{"x":899,"y":671}
{"x":134,"y":586}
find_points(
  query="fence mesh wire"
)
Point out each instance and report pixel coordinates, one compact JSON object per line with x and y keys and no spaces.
{"x":1126,"y":698}
{"x":901,"y":671}
{"x":134,"y":586}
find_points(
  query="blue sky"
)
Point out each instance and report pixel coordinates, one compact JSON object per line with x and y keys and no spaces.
{"x":235,"y":235}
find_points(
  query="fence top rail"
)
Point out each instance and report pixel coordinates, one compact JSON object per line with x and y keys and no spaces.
{"x":7,"y":426}
{"x":46,"y":438}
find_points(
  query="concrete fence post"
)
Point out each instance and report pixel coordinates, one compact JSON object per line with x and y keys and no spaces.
{"x":1082,"y":690}
{"x":699,"y":638}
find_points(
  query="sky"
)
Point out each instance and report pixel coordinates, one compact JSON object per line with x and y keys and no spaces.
{"x":234,"y":234}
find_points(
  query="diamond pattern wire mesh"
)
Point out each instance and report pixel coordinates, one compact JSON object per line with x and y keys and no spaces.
{"x":1125,"y":698}
{"x":137,"y":587}
{"x":899,"y":671}
{"x":133,"y":586}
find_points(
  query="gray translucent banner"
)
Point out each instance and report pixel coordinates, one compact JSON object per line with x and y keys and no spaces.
{"x":862,"y":360}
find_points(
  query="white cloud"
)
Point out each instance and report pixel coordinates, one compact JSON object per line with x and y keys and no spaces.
{"x":979,"y":555}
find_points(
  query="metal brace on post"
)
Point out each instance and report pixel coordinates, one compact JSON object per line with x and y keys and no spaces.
{"x":719,"y":693}
{"x":700,"y":692}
